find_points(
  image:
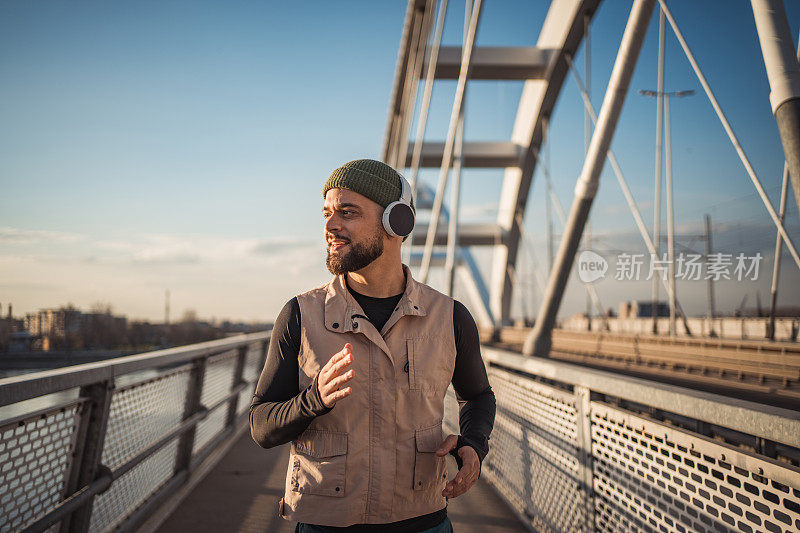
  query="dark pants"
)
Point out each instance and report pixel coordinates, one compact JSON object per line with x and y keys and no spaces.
{"x":445,"y":527}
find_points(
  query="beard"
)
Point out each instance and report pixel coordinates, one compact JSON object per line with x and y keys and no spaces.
{"x":357,"y":257}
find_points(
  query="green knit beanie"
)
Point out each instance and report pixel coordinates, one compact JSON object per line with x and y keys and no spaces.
{"x":376,"y":180}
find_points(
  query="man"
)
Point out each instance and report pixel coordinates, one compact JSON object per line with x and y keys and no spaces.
{"x":357,"y":371}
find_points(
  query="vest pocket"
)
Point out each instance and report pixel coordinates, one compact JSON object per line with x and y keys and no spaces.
{"x":319,"y":460}
{"x":428,"y":369}
{"x":429,"y":469}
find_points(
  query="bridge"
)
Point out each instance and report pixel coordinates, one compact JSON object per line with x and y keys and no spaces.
{"x":679,"y":425}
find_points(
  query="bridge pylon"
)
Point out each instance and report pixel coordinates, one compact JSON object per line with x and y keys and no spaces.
{"x":543,"y":69}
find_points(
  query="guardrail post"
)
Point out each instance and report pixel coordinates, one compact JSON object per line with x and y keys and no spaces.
{"x":238,"y":372}
{"x":584,"y":436}
{"x":194,"y":393}
{"x":263,"y":360}
{"x":88,"y":451}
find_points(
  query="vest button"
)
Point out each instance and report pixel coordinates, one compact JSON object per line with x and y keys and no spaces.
{"x":335,"y":325}
{"x":355,"y":325}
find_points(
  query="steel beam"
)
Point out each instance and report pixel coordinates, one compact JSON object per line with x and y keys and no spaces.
{"x":562,"y":31}
{"x":236,"y":382}
{"x":502,"y":154}
{"x":447,"y":157}
{"x":539,"y":342}
{"x":468,"y":235}
{"x":86,"y":465}
{"x":783,"y":72}
{"x":495,"y":63}
{"x":192,"y":406}
{"x":398,"y":99}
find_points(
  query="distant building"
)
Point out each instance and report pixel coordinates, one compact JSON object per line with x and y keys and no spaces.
{"x":642,"y":309}
{"x":9,"y":326}
{"x":69,"y":328}
{"x":54,"y":329}
{"x":19,"y":341}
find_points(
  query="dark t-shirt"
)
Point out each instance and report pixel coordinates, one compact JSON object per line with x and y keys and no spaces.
{"x":280,"y":411}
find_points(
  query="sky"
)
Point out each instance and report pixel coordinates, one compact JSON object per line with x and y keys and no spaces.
{"x":182,"y":146}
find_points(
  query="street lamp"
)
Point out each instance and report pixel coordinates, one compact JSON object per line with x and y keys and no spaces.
{"x":670,"y":209}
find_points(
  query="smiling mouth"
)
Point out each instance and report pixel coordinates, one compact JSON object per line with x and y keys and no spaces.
{"x":335,"y":245}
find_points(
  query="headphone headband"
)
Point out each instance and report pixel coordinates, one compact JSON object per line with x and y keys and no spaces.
{"x":405,"y":190}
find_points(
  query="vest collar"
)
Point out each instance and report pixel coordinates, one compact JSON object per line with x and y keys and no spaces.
{"x":341,"y":309}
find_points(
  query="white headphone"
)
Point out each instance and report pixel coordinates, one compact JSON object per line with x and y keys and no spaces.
{"x":398,"y":217}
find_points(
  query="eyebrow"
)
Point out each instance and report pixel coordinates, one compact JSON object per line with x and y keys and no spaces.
{"x":343,"y":205}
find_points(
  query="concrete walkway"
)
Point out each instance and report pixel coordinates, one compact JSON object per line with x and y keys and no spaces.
{"x":241,"y":494}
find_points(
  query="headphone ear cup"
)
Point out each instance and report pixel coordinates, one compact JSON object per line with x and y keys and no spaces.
{"x":398,"y":219}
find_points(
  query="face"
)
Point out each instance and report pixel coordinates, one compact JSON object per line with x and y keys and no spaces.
{"x":353,"y":231}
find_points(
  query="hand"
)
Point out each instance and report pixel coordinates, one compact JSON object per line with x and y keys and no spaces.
{"x":331,"y":377}
{"x":470,"y":469}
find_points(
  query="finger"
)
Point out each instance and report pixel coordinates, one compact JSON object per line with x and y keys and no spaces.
{"x":346,"y":350}
{"x":466,"y":476}
{"x":448,"y":490}
{"x":461,"y":488}
{"x":337,"y":357}
{"x":448,"y":444}
{"x":340,"y":395}
{"x":453,"y":492}
{"x":340,"y":365}
{"x":341,"y":380}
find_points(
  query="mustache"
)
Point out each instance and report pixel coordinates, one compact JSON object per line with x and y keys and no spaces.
{"x":333,"y":236}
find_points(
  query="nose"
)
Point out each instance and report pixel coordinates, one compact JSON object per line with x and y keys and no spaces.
{"x":333,"y":223}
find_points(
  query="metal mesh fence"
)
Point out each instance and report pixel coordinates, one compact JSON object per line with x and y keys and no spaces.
{"x":209,"y":427}
{"x":219,"y":377}
{"x":35,"y":452}
{"x":651,"y":477}
{"x":44,"y":439}
{"x":132,"y":489}
{"x":216,"y":385}
{"x":252,"y":366}
{"x":143,"y":412}
{"x":563,"y":462}
{"x":139,"y":415}
{"x":534,"y":457}
{"x":251,"y":373}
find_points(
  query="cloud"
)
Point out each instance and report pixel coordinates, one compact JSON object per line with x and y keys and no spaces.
{"x":9,"y":235}
{"x":278,"y":245}
{"x":191,"y":249}
{"x":165,"y":256}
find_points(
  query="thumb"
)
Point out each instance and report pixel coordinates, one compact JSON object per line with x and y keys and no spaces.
{"x":448,"y":444}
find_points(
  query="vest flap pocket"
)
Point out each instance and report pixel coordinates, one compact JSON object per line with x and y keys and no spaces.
{"x":316,"y":443}
{"x":429,"y":468}
{"x":428,"y":439}
{"x":319,"y":463}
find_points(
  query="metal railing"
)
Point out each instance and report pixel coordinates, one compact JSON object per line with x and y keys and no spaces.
{"x":573,"y":449}
{"x":100,"y":446}
{"x":761,"y":367}
{"x":576,"y":449}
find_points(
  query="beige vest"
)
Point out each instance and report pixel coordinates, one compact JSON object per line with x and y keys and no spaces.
{"x":372,"y":458}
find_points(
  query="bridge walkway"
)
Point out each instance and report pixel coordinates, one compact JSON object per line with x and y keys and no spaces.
{"x":240,"y":494}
